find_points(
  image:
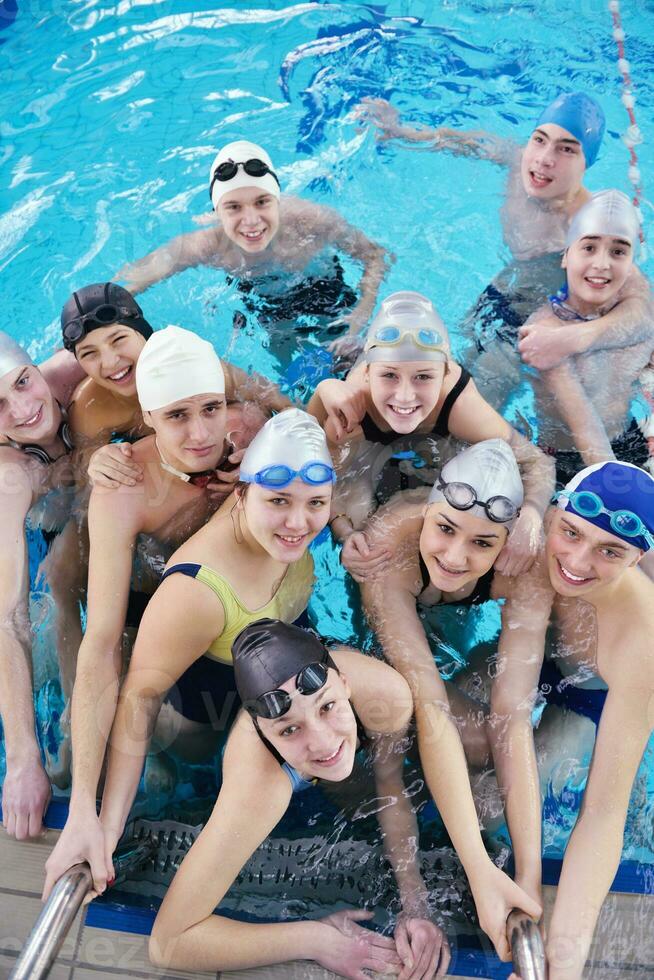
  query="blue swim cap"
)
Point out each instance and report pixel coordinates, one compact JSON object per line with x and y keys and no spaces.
{"x":615,"y":496}
{"x":582,"y":116}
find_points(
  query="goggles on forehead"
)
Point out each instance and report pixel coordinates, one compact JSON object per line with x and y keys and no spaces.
{"x":275,"y":704}
{"x":462,"y":496}
{"x":103,"y":315}
{"x":278,"y":476}
{"x":625,"y":523}
{"x":228,"y":170}
{"x":391,"y":336}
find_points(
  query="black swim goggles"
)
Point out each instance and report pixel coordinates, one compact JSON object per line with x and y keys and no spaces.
{"x":102,"y":315}
{"x":228,"y":170}
{"x":275,"y":704}
{"x":462,"y":496}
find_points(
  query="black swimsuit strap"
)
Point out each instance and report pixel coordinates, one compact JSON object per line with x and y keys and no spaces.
{"x":442,"y":427}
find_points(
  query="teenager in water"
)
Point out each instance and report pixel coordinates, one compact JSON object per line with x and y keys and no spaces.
{"x":104,"y":327}
{"x":132,"y":529}
{"x":35,"y":446}
{"x":410,"y":397}
{"x":281,"y":250}
{"x":250,"y":560}
{"x":587,"y":585}
{"x":444,"y":545}
{"x":309,"y":713}
{"x":544,"y":190}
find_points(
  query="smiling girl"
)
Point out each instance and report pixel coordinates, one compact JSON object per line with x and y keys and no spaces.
{"x":402,"y":404}
{"x":250,"y":560}
{"x":310,"y":712}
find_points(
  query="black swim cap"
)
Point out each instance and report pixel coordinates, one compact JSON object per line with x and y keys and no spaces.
{"x":268,"y":652}
{"x":100,"y":305}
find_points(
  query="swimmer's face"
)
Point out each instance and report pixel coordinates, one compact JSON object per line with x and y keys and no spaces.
{"x":109,"y":356}
{"x":284,"y":522}
{"x":318,"y":734}
{"x":28,"y":410}
{"x":597,"y":267}
{"x":405,"y":393}
{"x":458,"y":547}
{"x":582,"y":557}
{"x":250,"y":218}
{"x":553,"y":163}
{"x":191,"y":432}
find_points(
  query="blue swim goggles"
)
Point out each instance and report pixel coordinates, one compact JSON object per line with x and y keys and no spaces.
{"x":278,"y":476}
{"x":625,"y":523}
{"x":391,"y":336}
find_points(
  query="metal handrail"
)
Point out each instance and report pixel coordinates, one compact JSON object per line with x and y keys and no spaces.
{"x":58,"y":913}
{"x":526,"y":946}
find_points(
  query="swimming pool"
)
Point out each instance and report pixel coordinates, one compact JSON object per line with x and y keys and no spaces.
{"x":112,"y":114}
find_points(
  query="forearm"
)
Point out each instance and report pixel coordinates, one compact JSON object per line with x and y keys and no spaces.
{"x":264,"y":393}
{"x":630,"y":322}
{"x":219,"y":944}
{"x":375,"y":263}
{"x":583,"y":886}
{"x":401,"y":836}
{"x":516,"y":766}
{"x":537,"y":471}
{"x":95,"y":696}
{"x":16,"y":700}
{"x":578,"y":413}
{"x":130,"y":737}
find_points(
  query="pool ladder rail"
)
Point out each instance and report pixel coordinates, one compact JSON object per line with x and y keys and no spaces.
{"x":526,"y":946}
{"x":159,"y":845}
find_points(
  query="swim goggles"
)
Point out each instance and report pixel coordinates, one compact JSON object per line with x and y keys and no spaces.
{"x":278,"y":476}
{"x":625,"y":523}
{"x":391,"y":336}
{"x":275,"y":704}
{"x":462,"y":496}
{"x":228,"y":170}
{"x":106,"y":313}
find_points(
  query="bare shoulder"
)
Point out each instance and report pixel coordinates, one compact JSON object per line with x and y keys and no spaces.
{"x":400,"y":519}
{"x":380,"y":695}
{"x":63,"y":374}
{"x":20,"y":477}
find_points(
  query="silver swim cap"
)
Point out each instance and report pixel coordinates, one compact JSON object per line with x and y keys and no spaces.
{"x":290,"y":444}
{"x":175,"y":364}
{"x":12,"y":354}
{"x":483,"y":479}
{"x":607,"y":213}
{"x":407,"y":328}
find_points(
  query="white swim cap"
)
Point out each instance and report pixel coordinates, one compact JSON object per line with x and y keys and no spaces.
{"x":12,"y":354}
{"x":607,"y":213}
{"x":292,"y":440}
{"x":407,"y":328}
{"x":490,"y":471}
{"x":239,"y":153}
{"x":176,"y":364}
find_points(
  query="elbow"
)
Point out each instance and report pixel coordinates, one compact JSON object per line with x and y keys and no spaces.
{"x":163,"y":947}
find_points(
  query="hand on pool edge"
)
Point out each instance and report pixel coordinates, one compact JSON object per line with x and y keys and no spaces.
{"x":348,"y":949}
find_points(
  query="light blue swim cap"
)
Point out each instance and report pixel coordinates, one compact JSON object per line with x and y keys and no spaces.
{"x":583,"y":118}
{"x":615,"y":496}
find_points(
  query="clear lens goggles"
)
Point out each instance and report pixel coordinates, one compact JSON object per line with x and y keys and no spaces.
{"x":624,"y":522}
{"x":278,"y":476}
{"x":275,"y":704}
{"x":462,"y":496}
{"x":229,"y":169}
{"x":391,"y":336}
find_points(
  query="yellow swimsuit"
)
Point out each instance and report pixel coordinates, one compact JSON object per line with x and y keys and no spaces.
{"x":288,"y":602}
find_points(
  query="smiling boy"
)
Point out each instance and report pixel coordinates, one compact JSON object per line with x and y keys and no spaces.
{"x":280,"y":249}
{"x":601,"y":668}
{"x":544,"y":191}
{"x":35,"y":443}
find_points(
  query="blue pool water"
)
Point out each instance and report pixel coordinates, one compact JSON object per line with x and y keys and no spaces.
{"x":112,"y":114}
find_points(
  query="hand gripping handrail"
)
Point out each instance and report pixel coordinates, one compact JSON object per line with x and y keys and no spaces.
{"x":58,"y":913}
{"x":526,"y":946}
